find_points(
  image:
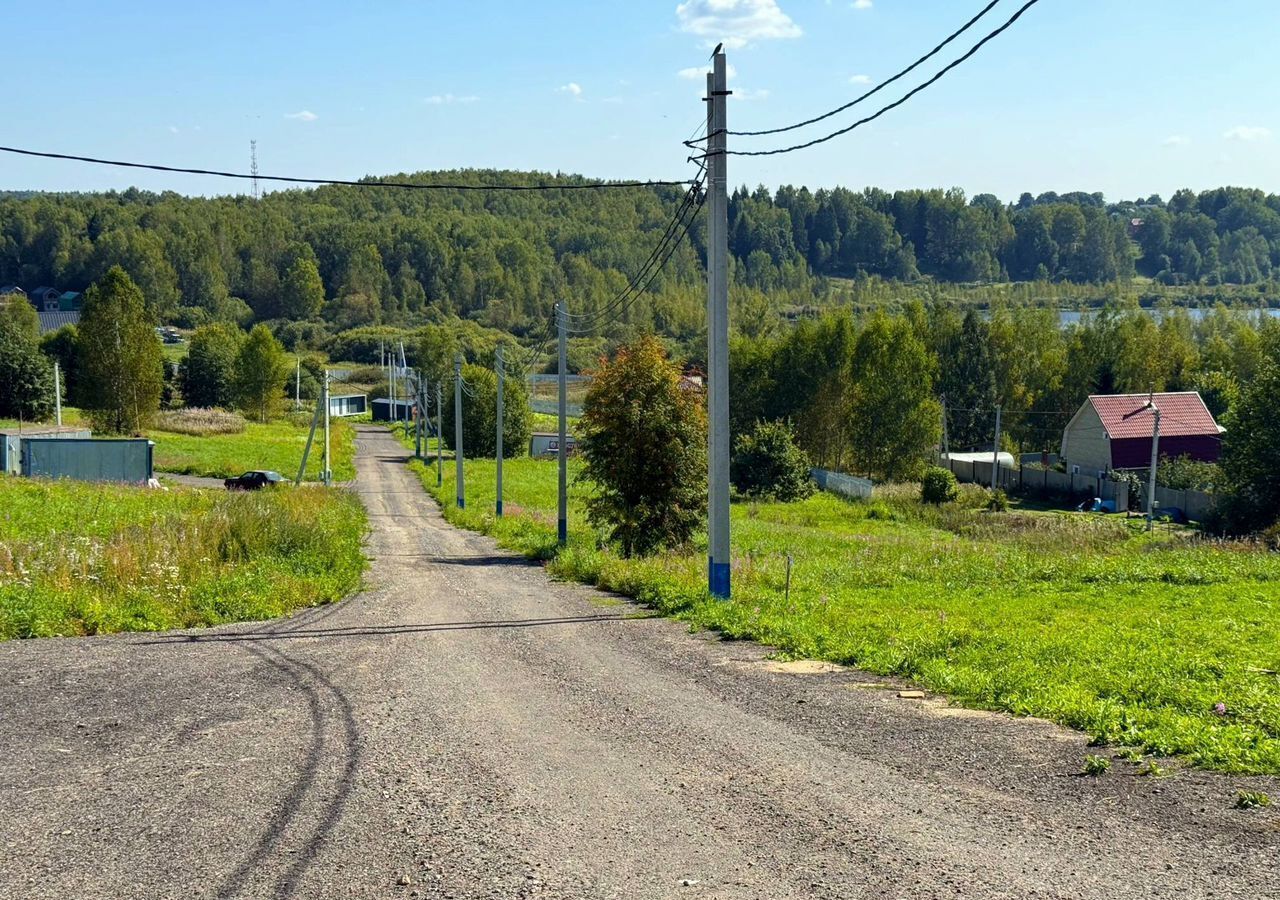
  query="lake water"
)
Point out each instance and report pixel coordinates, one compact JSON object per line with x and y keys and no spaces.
{"x":1072,"y":316}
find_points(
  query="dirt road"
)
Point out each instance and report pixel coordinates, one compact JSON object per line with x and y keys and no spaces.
{"x":465,"y":728}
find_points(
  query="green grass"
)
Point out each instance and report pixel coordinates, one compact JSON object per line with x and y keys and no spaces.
{"x":70,"y":416}
{"x":1252,"y":800}
{"x":1084,"y":620}
{"x":1096,"y":765}
{"x":174,"y":353}
{"x":277,"y":445}
{"x":79,"y":558}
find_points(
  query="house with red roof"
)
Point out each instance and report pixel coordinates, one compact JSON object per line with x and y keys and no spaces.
{"x":1114,"y":431}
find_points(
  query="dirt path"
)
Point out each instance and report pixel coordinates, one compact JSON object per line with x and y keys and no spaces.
{"x":467,"y":729}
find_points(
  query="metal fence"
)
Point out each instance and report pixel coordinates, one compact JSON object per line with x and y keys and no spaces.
{"x":91,"y":460}
{"x":842,"y":484}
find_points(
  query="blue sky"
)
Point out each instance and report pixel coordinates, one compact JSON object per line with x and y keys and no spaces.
{"x":1128,"y":97}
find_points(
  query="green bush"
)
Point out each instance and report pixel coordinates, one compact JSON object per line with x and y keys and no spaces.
{"x":998,"y":501}
{"x":480,"y":415}
{"x":939,"y":486}
{"x":643,"y":445}
{"x":767,"y":463}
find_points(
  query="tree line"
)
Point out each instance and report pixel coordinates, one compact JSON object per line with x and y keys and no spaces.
{"x":314,"y":262}
{"x":113,"y":366}
{"x":870,"y":394}
{"x":1226,"y":235}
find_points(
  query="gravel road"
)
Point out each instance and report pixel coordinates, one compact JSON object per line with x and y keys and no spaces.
{"x":466,"y":728}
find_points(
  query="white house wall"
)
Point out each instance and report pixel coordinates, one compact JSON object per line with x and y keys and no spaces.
{"x":1085,"y":442}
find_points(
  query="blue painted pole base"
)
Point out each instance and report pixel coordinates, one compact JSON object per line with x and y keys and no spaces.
{"x":718,"y":578}
{"x":462,"y":503}
{"x":499,"y":509}
{"x":562,"y":529}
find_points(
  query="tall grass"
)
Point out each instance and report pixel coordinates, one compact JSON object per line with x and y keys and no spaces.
{"x":277,"y":445}
{"x":1085,"y":620}
{"x":80,"y":558}
{"x":200,"y":421}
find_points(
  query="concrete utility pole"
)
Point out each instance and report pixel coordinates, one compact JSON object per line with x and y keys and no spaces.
{"x":439,"y":433}
{"x":391,"y":387}
{"x":718,"y":556}
{"x":306,"y":451}
{"x":297,"y":384}
{"x":328,"y":463}
{"x":57,"y":393}
{"x":457,"y":428}
{"x":501,"y":378}
{"x":562,"y":455}
{"x":403,"y":369}
{"x":946,"y":437}
{"x":995,"y":453}
{"x":417,"y":419}
{"x":1155,"y":461}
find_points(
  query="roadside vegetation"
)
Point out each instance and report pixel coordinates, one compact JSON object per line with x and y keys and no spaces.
{"x":79,"y":559}
{"x":1168,"y":643}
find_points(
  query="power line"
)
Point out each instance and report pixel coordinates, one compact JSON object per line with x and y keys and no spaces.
{"x":407,"y":185}
{"x":637,"y":288}
{"x":879,"y":87}
{"x":880,"y":112}
{"x":691,"y":196}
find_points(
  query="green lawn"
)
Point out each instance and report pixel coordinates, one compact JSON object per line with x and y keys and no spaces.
{"x":277,"y":445}
{"x":1084,"y":620}
{"x":78,"y":558}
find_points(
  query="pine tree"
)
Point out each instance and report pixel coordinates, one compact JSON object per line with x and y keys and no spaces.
{"x":121,"y":363}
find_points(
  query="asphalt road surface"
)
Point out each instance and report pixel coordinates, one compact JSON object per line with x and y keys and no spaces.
{"x":467,"y":728}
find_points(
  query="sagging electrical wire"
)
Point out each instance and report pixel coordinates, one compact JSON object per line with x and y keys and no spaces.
{"x":894,"y":105}
{"x":672,"y":237}
{"x":290,"y":179}
{"x":870,"y":93}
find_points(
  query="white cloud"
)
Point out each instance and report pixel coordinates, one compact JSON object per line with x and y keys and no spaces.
{"x":859,"y":79}
{"x":699,"y":73}
{"x":304,"y":115}
{"x":572,"y":88}
{"x":447,"y":99}
{"x":1176,"y":140}
{"x":173,"y":129}
{"x":613,"y":99}
{"x":736,"y":22}
{"x":1247,"y":133}
{"x":862,"y":4}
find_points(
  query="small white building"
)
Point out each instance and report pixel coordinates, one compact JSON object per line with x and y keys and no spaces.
{"x":547,"y":443}
{"x":348,"y":404}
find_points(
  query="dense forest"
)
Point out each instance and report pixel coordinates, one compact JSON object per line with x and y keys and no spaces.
{"x":337,"y":257}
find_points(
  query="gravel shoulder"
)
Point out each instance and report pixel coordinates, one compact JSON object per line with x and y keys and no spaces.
{"x":467,"y":728}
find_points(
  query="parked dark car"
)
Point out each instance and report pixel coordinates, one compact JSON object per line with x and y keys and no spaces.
{"x":254,"y":481}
